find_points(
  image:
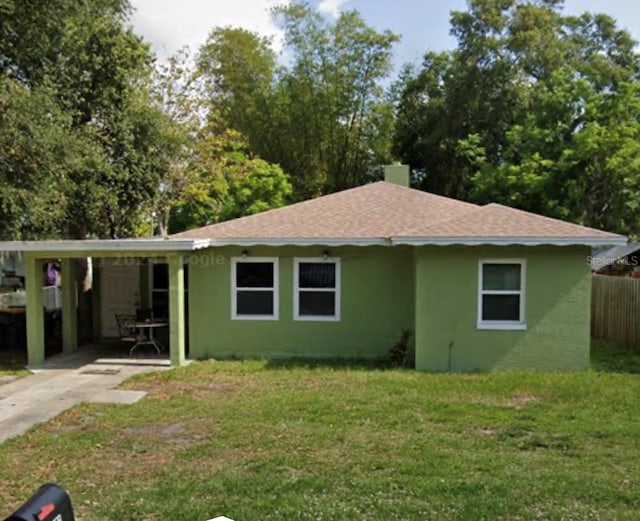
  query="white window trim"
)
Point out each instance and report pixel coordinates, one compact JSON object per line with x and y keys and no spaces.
{"x":234,"y":288}
{"x":296,"y":289}
{"x":503,"y":324}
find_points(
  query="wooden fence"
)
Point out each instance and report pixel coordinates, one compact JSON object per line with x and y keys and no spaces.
{"x":615,"y":310}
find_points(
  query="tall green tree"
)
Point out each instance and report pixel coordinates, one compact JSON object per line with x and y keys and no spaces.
{"x":95,"y":71}
{"x":237,"y":69}
{"x":576,"y":157}
{"x":34,"y":157}
{"x":226,"y":180}
{"x":521,"y":85}
{"x":209,"y":172}
{"x":176,"y":93}
{"x":322,"y":117}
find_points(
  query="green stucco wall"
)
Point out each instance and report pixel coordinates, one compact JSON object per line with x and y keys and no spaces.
{"x":377,"y":303}
{"x":558,"y":286}
{"x":430,"y":290}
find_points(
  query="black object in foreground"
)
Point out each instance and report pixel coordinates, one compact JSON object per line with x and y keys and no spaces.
{"x":50,"y":503}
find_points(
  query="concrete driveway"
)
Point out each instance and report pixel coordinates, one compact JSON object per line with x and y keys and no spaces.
{"x":89,"y":375}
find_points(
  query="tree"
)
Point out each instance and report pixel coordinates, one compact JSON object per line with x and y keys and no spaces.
{"x":253,"y":186}
{"x":209,"y":173}
{"x":95,"y":71}
{"x":577,"y":157}
{"x":322,"y":118}
{"x":33,"y":159}
{"x":226,"y":180}
{"x":521,"y":72}
{"x":238,"y":68}
{"x":177,"y":95}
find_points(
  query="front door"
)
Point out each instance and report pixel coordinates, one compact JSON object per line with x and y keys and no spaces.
{"x":119,"y":292}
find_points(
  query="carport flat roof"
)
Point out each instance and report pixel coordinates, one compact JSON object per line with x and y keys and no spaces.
{"x":117,"y":246}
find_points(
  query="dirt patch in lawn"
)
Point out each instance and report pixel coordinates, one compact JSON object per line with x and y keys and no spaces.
{"x":520,"y":400}
{"x":170,"y":390}
{"x":176,"y":434}
{"x":486,"y":432}
{"x":517,"y":401}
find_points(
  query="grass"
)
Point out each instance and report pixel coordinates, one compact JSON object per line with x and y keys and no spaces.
{"x":13,"y":372}
{"x":610,"y":358}
{"x":265,"y":441}
{"x":17,"y":371}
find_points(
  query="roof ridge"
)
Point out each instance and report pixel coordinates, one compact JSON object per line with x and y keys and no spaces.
{"x":428,"y":194}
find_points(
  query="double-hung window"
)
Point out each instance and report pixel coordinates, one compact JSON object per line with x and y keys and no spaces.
{"x":501,"y":294}
{"x":254,"y":288}
{"x":316,"y":291}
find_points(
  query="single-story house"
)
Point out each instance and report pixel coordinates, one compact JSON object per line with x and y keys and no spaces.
{"x":481,"y":287}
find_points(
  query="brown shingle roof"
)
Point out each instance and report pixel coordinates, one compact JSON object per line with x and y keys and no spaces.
{"x":496,"y":220}
{"x":388,"y":212}
{"x":379,"y":210}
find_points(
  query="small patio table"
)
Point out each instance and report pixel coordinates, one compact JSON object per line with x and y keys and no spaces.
{"x":148,"y":327}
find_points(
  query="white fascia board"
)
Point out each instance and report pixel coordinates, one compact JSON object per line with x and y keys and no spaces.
{"x":300,"y":242}
{"x":105,"y":245}
{"x":510,"y":241}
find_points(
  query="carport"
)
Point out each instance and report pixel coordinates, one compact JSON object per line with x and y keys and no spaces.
{"x":175,"y":251}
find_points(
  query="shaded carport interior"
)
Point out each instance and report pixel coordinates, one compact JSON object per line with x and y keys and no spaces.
{"x":175,"y":251}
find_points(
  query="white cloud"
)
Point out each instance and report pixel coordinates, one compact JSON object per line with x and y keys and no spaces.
{"x":169,"y":24}
{"x":331,"y":7}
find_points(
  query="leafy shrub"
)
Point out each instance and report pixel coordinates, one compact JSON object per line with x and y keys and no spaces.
{"x":402,"y":353}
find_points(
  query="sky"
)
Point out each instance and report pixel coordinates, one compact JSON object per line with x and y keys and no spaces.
{"x":423,"y":24}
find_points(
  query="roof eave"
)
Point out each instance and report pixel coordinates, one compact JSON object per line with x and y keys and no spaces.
{"x":511,"y":241}
{"x":300,"y":241}
{"x":106,"y":245}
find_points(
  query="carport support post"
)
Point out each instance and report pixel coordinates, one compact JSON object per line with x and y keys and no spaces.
{"x":176,"y":309}
{"x":69,"y":309}
{"x":34,"y":280}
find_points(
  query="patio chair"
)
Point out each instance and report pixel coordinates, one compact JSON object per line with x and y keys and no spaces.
{"x":128,"y":331}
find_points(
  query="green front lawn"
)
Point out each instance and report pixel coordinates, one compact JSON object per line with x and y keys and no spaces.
{"x":259,"y":441}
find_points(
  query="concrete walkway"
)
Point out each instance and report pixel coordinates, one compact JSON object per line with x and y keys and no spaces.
{"x":65,"y":380}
